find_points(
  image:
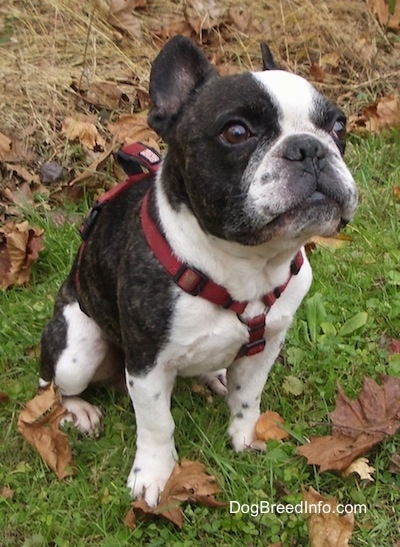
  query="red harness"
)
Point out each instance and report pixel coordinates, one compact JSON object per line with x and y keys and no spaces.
{"x":133,"y":158}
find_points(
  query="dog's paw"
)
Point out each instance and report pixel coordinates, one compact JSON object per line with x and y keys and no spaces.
{"x":216,"y":381}
{"x":242,"y":433}
{"x":148,"y":477}
{"x":85,"y":417}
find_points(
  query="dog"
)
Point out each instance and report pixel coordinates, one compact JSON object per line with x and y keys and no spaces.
{"x":254,"y":168}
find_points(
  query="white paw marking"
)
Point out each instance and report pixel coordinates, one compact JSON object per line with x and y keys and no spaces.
{"x":242,"y":433}
{"x":85,"y":417}
{"x":216,"y":381}
{"x":149,"y":474}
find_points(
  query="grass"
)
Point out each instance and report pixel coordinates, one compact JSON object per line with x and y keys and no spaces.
{"x":361,"y":276}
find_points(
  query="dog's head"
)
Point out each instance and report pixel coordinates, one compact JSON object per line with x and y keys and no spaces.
{"x":255,"y":156}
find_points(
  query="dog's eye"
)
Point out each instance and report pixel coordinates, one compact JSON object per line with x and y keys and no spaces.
{"x":235,"y":133}
{"x":338,"y":130}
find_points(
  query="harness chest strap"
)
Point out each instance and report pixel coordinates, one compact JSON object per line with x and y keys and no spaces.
{"x":196,"y":283}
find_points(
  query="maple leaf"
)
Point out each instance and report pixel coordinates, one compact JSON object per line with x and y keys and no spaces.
{"x":267,"y":427}
{"x":357,"y":425}
{"x":188,"y":482}
{"x":376,"y":410}
{"x":39,"y":423}
{"x":326,"y":528}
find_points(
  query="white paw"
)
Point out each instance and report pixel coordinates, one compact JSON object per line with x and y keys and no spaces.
{"x":243,"y":436}
{"x":216,"y":381}
{"x":85,"y":417}
{"x":148,"y":476}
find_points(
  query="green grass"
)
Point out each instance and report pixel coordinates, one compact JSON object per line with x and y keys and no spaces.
{"x":362,"y":276}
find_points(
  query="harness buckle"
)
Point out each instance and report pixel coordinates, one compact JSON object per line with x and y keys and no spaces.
{"x":190,"y":280}
{"x":252,"y":348}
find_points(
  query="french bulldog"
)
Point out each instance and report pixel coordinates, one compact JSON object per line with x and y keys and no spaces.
{"x":201,"y":268}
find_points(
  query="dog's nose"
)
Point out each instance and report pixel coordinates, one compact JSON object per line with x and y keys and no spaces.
{"x":305,"y":149}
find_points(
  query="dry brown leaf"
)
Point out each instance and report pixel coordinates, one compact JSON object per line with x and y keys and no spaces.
{"x":375,"y":411}
{"x":326,"y":527}
{"x":6,"y":152}
{"x":396,"y":192}
{"x":133,"y":128}
{"x":83,"y":130}
{"x":336,"y":452}
{"x":4,"y":397}
{"x":383,"y":114}
{"x":357,"y":425}
{"x":188,"y":482}
{"x":204,"y":15}
{"x":20,"y":245}
{"x":121,"y":16}
{"x":103,"y":94}
{"x":39,"y":423}
{"x":380,"y":8}
{"x":317,"y":72}
{"x":362,"y":468}
{"x":6,"y":493}
{"x":267,"y":427}
{"x":92,"y":168}
{"x":394,"y":466}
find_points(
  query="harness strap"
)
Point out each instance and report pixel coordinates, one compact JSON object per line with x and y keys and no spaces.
{"x":196,"y":283}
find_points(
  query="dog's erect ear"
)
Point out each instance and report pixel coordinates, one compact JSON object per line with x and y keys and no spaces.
{"x":267,"y":59}
{"x":177,"y":72}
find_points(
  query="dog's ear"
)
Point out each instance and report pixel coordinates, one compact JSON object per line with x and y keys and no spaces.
{"x":267,"y":59}
{"x":177,"y":72}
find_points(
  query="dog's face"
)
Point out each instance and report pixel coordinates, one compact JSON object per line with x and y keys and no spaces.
{"x":256,"y":156}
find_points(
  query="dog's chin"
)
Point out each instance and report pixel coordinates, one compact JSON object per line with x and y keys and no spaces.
{"x":316,"y":216}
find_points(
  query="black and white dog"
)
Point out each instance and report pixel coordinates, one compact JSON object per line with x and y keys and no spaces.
{"x":202,"y":268}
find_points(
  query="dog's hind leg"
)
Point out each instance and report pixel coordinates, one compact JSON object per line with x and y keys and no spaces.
{"x":72,"y":351}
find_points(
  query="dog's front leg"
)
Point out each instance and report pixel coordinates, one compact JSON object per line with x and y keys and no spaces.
{"x":155,"y":448}
{"x":246,"y":379}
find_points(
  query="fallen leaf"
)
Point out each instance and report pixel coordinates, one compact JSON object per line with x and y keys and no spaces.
{"x":83,"y":130}
{"x":133,"y":128}
{"x":357,"y":425}
{"x":317,"y":72}
{"x":4,"y":397}
{"x":188,"y":482}
{"x":334,"y":452}
{"x":335,"y":242}
{"x":20,"y":245}
{"x":204,"y":15}
{"x":103,"y":94}
{"x":376,"y":409}
{"x":382,"y":12}
{"x":383,"y":114}
{"x":92,"y":168}
{"x":39,"y":423}
{"x":6,"y":493}
{"x":394,"y":466}
{"x":362,"y":468}
{"x":267,"y":427}
{"x":326,"y":528}
{"x":121,"y":16}
{"x":393,"y":345}
{"x":6,"y":150}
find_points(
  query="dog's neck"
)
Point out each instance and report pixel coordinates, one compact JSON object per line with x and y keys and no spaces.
{"x":247,"y":272}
